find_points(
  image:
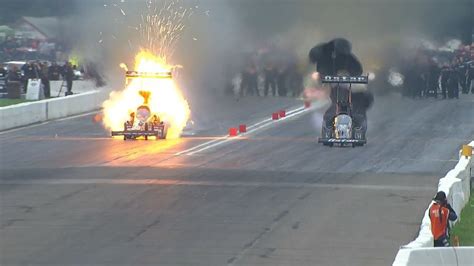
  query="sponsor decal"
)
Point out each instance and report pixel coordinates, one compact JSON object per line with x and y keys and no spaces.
{"x":344,"y":140}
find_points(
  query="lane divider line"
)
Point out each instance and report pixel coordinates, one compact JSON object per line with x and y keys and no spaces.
{"x":252,"y":130}
{"x":225,"y":137}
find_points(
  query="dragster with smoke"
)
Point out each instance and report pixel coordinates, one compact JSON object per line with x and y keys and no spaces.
{"x":345,"y":121}
{"x":342,"y":130}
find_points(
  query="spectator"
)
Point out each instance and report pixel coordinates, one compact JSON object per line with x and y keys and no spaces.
{"x":68,"y":75}
{"x":270,"y":79}
{"x":412,"y":82}
{"x":244,"y":83}
{"x":253,"y":80}
{"x":295,"y":81}
{"x":432,"y":79}
{"x":14,"y":74}
{"x":444,"y":80}
{"x":281,"y":80}
{"x":470,"y":77}
{"x":440,"y":213}
{"x":453,"y":83}
{"x":13,"y":83}
{"x":30,"y":71}
{"x":44,"y":75}
{"x":54,"y":72}
{"x":462,"y":71}
{"x":249,"y":81}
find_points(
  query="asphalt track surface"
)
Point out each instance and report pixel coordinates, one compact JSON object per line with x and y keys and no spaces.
{"x":70,"y":195}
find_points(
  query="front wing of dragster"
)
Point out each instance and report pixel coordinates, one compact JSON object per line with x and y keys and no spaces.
{"x":137,"y":133}
{"x":342,"y":141}
{"x":159,"y":133}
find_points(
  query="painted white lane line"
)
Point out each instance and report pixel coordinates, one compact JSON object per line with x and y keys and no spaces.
{"x":224,"y":138}
{"x":175,"y":182}
{"x":253,"y":130}
{"x":271,"y":119}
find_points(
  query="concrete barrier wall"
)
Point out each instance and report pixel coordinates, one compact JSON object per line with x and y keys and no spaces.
{"x":35,"y":112}
{"x":21,"y":114}
{"x":75,"y":104}
{"x":451,"y":256}
{"x":456,"y":184}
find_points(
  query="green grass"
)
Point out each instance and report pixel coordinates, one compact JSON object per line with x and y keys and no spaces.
{"x":7,"y":102}
{"x":465,"y":228}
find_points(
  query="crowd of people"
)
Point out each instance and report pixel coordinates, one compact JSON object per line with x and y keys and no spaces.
{"x":40,"y":70}
{"x":432,"y":73}
{"x":40,"y":57}
{"x":268,"y":71}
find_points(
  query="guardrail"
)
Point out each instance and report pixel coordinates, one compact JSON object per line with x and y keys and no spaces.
{"x":456,"y":185}
{"x":34,"y":112}
{"x":448,"y":256}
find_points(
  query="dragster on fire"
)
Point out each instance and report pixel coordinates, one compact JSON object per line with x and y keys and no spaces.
{"x":144,"y":122}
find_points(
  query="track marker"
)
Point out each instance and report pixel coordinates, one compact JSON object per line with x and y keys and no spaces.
{"x":296,"y":112}
{"x":232,"y":132}
{"x":250,"y":129}
{"x":275,"y":116}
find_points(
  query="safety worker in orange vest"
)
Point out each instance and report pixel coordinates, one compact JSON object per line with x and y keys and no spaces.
{"x":440,"y":212}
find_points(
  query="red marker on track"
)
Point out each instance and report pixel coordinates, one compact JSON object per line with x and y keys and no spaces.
{"x":232,"y":132}
{"x":282,"y":113}
{"x":275,"y":116}
{"x":242,"y":128}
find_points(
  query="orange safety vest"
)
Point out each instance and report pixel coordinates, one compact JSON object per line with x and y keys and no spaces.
{"x":439,"y":220}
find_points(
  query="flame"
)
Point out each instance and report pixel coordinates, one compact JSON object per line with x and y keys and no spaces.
{"x":162,"y":96}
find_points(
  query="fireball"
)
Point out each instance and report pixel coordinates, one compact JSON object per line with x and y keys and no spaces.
{"x":164,"y":98}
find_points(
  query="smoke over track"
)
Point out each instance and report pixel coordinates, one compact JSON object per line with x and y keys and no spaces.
{"x":218,"y":31}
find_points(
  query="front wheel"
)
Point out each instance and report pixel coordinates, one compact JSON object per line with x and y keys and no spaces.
{"x":124,"y":129}
{"x":146,"y":129}
{"x":164,"y":132}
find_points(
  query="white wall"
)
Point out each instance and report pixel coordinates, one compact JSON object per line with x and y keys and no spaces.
{"x":462,"y":256}
{"x":34,"y":112}
{"x":74,"y":104}
{"x":21,"y":114}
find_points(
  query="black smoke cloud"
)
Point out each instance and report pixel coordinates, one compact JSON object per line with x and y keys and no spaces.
{"x":333,"y":56}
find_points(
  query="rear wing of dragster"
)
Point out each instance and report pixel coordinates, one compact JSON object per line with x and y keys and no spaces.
{"x":152,"y":75}
{"x":345,"y":79}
